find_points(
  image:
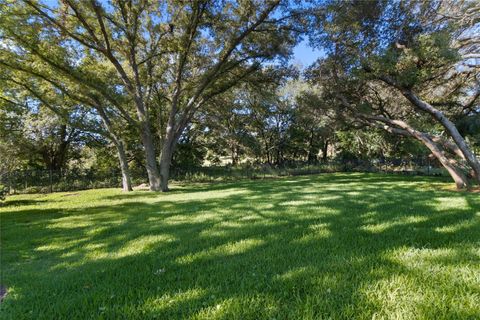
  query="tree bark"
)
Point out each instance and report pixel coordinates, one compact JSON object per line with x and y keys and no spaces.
{"x":457,"y":175}
{"x":122,"y":157}
{"x":325,"y":151}
{"x":444,"y":121}
{"x":448,"y":145}
{"x":166,"y":161}
{"x":311,"y":156}
{"x":172,"y":134}
{"x":233,"y":150}
{"x":451,"y":129}
{"x":151,"y":162}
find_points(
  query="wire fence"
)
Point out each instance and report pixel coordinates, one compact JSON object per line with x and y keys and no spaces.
{"x":47,"y":181}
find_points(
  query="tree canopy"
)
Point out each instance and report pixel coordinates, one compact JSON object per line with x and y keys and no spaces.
{"x":191,"y":83}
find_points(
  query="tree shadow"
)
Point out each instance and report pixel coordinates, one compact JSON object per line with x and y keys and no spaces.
{"x":293,"y":248}
{"x":22,"y":202}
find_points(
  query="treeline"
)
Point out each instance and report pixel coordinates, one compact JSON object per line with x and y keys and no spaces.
{"x":155,"y":84}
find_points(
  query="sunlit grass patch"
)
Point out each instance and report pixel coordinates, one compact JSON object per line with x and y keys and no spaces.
{"x":332,"y":246}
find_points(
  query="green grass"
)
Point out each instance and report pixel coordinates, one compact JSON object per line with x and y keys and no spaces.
{"x":338,"y":246}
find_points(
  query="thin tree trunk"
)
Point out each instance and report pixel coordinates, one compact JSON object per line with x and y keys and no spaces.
{"x":267,"y":153}
{"x":234,"y":155}
{"x":325,"y":151}
{"x":122,"y":158}
{"x":310,"y":155}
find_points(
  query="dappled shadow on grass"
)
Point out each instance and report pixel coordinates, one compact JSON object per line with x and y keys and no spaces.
{"x":293,"y":248}
{"x":23,"y":202}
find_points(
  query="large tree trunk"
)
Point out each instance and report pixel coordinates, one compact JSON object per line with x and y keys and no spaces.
{"x":168,"y":148}
{"x":150,"y":157}
{"x":457,"y":175}
{"x":166,"y":161}
{"x":122,"y":157}
{"x":450,"y":146}
{"x":147,"y":142}
{"x":445,"y":122}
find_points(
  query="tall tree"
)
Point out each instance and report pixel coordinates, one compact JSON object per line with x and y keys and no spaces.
{"x":76,"y":111}
{"x":410,"y":48}
{"x":174,"y":55}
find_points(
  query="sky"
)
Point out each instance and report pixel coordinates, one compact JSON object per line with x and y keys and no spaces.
{"x":305,"y":55}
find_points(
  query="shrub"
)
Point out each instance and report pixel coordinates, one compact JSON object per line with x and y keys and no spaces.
{"x":32,"y":190}
{"x":3,"y":192}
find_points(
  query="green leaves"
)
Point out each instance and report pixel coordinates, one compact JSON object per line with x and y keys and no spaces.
{"x":427,"y":57}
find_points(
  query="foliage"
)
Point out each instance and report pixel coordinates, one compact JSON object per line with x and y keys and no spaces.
{"x":146,"y":85}
{"x":169,"y":58}
{"x":375,"y":144}
{"x":399,"y":67}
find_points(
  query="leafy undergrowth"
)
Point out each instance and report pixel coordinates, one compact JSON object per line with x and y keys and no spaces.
{"x":337,"y":246}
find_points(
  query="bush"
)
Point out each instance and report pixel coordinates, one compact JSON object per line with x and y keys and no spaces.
{"x":32,"y":190}
{"x":3,"y":192}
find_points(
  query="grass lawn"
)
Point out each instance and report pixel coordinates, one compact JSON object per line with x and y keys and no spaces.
{"x":338,"y":246}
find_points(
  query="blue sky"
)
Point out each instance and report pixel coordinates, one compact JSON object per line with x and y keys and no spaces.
{"x":305,"y":55}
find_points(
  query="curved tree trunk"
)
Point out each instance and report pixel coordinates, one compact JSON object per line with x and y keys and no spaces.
{"x":451,"y":129}
{"x":456,"y":173}
{"x":444,"y":121}
{"x":450,"y":146}
{"x":122,"y":157}
{"x":403,"y":128}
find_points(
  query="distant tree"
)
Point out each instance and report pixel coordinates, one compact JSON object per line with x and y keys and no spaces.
{"x":36,"y":134}
{"x":62,"y":103}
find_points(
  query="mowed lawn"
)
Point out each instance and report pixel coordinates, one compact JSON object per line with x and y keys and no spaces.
{"x":332,"y":246}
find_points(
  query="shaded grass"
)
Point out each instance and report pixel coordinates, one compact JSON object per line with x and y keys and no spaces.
{"x":336,"y":246}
